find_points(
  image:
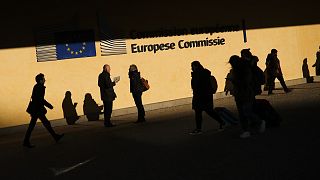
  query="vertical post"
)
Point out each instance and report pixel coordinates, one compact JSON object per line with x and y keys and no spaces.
{"x":244,"y":29}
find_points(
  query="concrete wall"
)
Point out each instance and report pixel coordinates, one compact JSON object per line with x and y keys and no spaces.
{"x":168,"y":71}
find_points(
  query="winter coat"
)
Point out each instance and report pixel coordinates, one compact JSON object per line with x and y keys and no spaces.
{"x":202,"y":90}
{"x":136,"y":86}
{"x":243,"y":85}
{"x":106,"y":87}
{"x":38,"y":101}
{"x":273,"y":65}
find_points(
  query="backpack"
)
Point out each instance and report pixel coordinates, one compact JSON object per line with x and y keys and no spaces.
{"x":213,"y":84}
{"x":145,"y":84}
{"x":258,"y":79}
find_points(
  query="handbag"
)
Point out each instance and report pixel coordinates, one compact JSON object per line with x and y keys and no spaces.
{"x":30,"y":108}
{"x":145,"y":84}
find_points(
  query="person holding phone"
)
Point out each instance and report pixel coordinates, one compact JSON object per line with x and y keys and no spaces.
{"x":107,"y":93}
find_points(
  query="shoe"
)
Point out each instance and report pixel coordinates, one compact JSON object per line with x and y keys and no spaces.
{"x":28,"y":145}
{"x":270,"y":93}
{"x":262,"y":126}
{"x":58,"y":137}
{"x":245,"y":134}
{"x":196,"y":132}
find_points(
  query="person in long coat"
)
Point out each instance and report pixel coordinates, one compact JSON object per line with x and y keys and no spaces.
{"x":136,"y":88}
{"x":202,"y":99}
{"x":107,"y":93}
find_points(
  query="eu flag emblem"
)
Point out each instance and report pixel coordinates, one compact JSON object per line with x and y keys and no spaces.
{"x":75,"y":44}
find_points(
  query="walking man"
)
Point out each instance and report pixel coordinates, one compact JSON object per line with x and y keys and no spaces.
{"x":202,"y":96}
{"x":37,"y":110}
{"x":273,"y":70}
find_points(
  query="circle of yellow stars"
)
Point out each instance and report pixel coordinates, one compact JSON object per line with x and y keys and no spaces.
{"x":79,"y":51}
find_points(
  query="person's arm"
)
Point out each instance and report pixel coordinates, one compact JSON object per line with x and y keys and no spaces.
{"x":47,"y":104}
{"x":315,"y":64}
{"x":38,"y":97}
{"x":109,"y":83}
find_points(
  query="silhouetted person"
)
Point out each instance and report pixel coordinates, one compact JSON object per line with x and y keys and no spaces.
{"x":202,"y":96}
{"x":90,"y":108}
{"x":244,"y":95}
{"x":317,"y":63}
{"x":305,"y":71}
{"x":246,"y":55}
{"x":258,"y":77}
{"x":107,"y":93}
{"x":136,"y":88}
{"x":273,"y":69}
{"x":39,"y":111}
{"x":228,"y":87}
{"x":69,"y":109}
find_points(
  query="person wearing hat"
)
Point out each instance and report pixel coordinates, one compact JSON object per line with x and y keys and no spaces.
{"x":273,"y":70}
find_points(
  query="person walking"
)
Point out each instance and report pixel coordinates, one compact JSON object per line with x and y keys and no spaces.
{"x":37,"y":110}
{"x":136,"y":88}
{"x":273,"y":69}
{"x":107,"y":93}
{"x":244,"y":94}
{"x":202,"y":99}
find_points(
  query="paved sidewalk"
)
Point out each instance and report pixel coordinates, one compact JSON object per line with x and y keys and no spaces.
{"x":163,"y":149}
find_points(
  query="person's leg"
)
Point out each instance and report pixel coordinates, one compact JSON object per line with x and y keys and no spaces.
{"x":283,"y":84}
{"x":46,"y":123}
{"x":33,"y":121}
{"x":138,"y":101}
{"x":242,"y":117}
{"x":107,"y":113}
{"x":270,"y":83}
{"x":252,"y":117}
{"x":198,"y":116}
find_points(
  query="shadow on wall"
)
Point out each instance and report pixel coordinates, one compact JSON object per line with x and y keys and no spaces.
{"x":69,"y":109}
{"x":91,"y":109}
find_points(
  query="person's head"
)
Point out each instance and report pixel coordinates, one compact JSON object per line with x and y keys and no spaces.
{"x":246,"y":54}
{"x":195,"y":66}
{"x":40,"y":79}
{"x":106,"y":68}
{"x":133,"y":67}
{"x":305,"y":61}
{"x":87,"y":96}
{"x":68,"y":94}
{"x":234,"y":61}
{"x":274,"y":51}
